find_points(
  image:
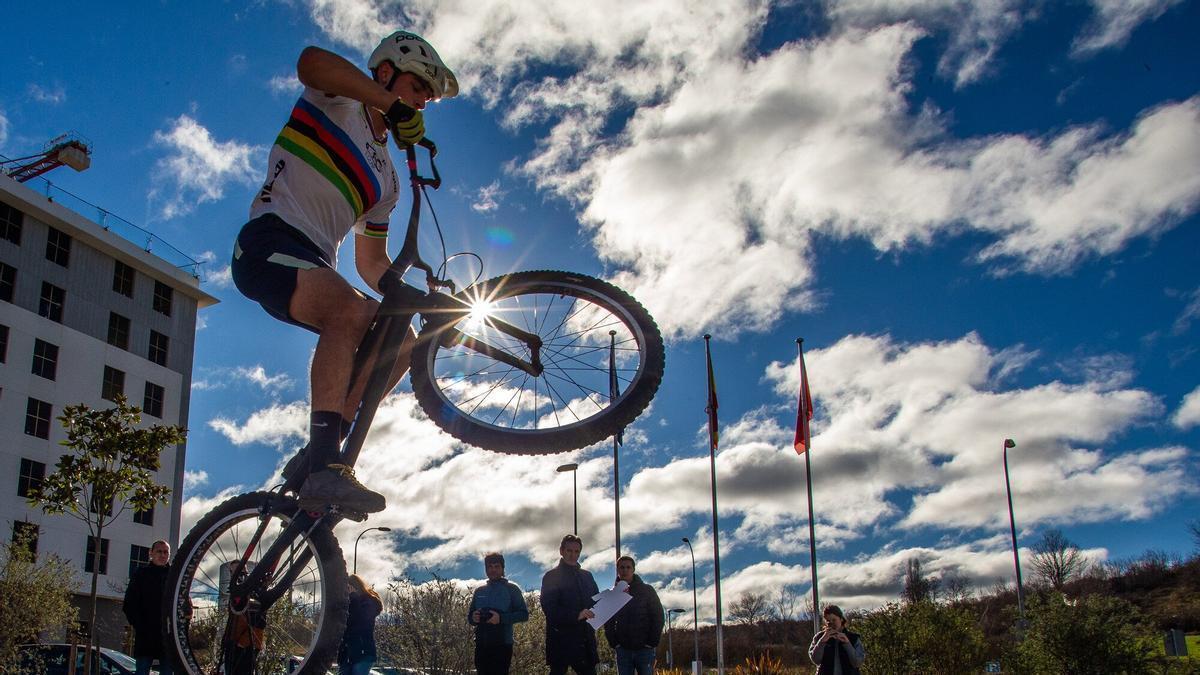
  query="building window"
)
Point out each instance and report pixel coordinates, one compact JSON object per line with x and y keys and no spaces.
{"x":89,"y":561}
{"x":3,"y":344}
{"x":25,"y":534}
{"x":118,"y":330}
{"x":52,"y":301}
{"x":139,"y":557}
{"x":45,"y":359}
{"x":113,"y":385}
{"x":58,"y":247}
{"x":158,"y":347}
{"x":144,"y":518}
{"x":162,"y":298}
{"x":152,"y":404}
{"x":123,"y":279}
{"x":37,"y":418}
{"x":8,"y":282}
{"x":31,"y":477}
{"x":11,"y":220}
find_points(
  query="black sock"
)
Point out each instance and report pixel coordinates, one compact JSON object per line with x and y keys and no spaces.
{"x":324,"y":428}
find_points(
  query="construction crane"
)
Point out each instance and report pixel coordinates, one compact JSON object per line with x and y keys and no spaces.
{"x":69,"y":149}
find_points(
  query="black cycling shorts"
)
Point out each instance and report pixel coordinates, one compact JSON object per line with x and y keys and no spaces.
{"x":266,"y":256}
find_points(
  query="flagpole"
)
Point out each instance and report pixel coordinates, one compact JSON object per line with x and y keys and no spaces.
{"x":803,"y":408}
{"x":712,"y":459}
{"x":613,"y":391}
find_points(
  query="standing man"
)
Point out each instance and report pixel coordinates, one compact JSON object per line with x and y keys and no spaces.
{"x":634,"y":631}
{"x":143,"y":609}
{"x":566,"y":600}
{"x":495,"y":607}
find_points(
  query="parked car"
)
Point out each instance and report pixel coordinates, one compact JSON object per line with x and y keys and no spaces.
{"x":52,"y":659}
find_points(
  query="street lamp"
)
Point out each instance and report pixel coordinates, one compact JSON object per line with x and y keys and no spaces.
{"x":1012,"y":526}
{"x":360,"y":534}
{"x":695,"y":610}
{"x":574,"y":469}
{"x":670,"y":656}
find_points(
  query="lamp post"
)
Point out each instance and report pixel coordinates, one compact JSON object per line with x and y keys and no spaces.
{"x":1012,"y":526}
{"x":695,"y":609}
{"x":670,"y":657}
{"x":574,"y":469}
{"x":360,"y":534}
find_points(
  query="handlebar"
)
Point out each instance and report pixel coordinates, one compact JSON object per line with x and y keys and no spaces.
{"x":409,"y":256}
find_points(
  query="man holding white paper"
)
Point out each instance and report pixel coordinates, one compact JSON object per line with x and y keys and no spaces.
{"x":566,"y":600}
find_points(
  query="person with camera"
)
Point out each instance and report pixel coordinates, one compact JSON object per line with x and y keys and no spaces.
{"x":835,"y":650}
{"x":495,"y":607}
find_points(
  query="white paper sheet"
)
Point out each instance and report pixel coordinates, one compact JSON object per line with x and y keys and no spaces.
{"x":607,"y":604}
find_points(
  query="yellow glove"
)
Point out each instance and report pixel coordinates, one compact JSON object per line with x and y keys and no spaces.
{"x":407,"y":123}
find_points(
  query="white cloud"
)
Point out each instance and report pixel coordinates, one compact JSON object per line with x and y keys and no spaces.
{"x":1189,"y":314}
{"x":218,"y":276}
{"x":924,"y":417}
{"x":220,"y":378}
{"x":700,"y":188}
{"x":194,"y":479}
{"x":277,"y":425}
{"x":1188,"y":414}
{"x":487,"y":199}
{"x":1114,"y":21}
{"x":285,"y":85}
{"x":3,"y":127}
{"x":198,"y":167}
{"x":52,"y":95}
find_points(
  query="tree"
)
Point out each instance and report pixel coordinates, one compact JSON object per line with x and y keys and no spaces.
{"x":1095,"y":634}
{"x":784,"y":606}
{"x":111,"y":467}
{"x":426,"y":625}
{"x":917,"y":587}
{"x":921,"y":637}
{"x":750,"y":608}
{"x":1056,"y":559}
{"x":35,"y":595}
{"x":1194,"y":528}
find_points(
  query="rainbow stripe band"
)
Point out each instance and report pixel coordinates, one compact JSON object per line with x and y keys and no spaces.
{"x":311,"y":136}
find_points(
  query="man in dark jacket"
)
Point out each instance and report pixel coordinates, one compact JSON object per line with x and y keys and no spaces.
{"x":566,"y":600}
{"x":495,"y":607}
{"x":143,"y":609}
{"x":634,"y":631}
{"x":835,"y":650}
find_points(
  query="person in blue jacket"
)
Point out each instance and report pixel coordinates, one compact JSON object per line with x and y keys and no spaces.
{"x":495,"y":607}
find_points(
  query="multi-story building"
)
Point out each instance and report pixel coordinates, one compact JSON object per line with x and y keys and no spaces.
{"x":84,"y":315}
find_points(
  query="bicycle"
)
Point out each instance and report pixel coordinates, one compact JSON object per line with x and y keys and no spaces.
{"x":524,"y":363}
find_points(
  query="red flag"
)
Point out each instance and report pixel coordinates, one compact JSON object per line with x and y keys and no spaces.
{"x":711,"y":409}
{"x":804,"y":411}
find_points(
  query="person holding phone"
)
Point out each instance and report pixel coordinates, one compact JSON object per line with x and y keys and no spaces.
{"x":835,"y":650}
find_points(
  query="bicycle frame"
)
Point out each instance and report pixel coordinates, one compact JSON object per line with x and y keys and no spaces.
{"x":384,"y":338}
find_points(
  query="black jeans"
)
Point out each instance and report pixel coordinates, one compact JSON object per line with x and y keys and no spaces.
{"x":493,"y":659}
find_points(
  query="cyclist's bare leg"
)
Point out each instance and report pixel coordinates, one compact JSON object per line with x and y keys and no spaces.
{"x":327,"y":302}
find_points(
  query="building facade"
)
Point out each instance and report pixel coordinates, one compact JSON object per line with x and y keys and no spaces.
{"x":85,"y":315}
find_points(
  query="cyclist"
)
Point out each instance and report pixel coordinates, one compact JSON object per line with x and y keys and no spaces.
{"x":329,"y":172}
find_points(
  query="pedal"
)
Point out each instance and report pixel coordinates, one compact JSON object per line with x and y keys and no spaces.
{"x":356,"y":516}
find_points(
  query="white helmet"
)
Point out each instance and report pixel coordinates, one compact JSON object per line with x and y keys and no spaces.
{"x":410,"y":53}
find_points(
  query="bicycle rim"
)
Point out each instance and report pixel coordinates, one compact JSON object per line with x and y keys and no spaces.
{"x":303,"y":627}
{"x":602,"y":354}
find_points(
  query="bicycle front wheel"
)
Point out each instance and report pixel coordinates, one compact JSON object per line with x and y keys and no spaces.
{"x":302,"y":628}
{"x":602,"y":358}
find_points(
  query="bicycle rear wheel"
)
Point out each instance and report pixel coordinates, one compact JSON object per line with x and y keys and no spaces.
{"x":585,"y":324}
{"x":305,"y":625}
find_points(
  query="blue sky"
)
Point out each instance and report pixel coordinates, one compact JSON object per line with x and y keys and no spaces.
{"x":982,"y":218}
